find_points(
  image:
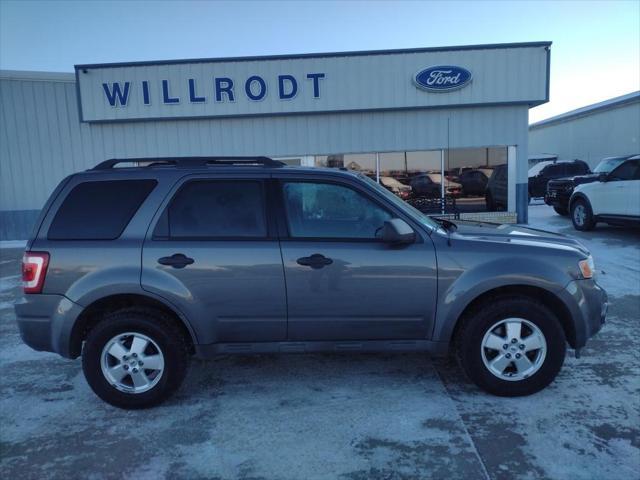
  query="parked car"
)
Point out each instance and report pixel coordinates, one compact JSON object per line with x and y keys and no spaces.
{"x":453,"y":174}
{"x":136,"y":269}
{"x":474,"y":182}
{"x":559,"y":191}
{"x":396,"y":187}
{"x":613,"y":199}
{"x":541,"y":173}
{"x":430,"y":185}
{"x":496,"y":193}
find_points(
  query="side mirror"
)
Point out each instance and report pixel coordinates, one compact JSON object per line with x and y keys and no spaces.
{"x":603,"y":177}
{"x":397,"y":231}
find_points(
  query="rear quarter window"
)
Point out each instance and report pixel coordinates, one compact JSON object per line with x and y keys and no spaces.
{"x":99,"y":210}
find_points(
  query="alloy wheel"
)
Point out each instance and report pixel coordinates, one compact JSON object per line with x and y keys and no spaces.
{"x":132,"y":362}
{"x":513,"y":349}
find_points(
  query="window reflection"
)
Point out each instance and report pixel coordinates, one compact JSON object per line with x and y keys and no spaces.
{"x":464,"y":185}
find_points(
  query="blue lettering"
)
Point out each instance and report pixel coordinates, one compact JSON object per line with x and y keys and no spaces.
{"x":316,"y":83}
{"x":165,"y":93}
{"x":292,"y":82}
{"x":261,"y":83}
{"x":117,"y":94}
{"x":224,"y":85}
{"x":192,"y":93}
{"x":145,"y":92}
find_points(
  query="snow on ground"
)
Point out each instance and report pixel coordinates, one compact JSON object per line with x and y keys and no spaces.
{"x":338,"y":416}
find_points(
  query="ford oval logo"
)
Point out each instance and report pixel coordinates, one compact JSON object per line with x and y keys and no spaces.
{"x":442,"y":78}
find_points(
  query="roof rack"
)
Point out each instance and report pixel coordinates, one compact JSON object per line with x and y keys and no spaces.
{"x":189,"y":162}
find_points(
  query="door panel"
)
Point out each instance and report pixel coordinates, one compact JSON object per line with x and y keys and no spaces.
{"x":233,"y":291}
{"x":214,"y":254}
{"x":633,"y":202}
{"x":370,"y":291}
{"x":361,"y":288}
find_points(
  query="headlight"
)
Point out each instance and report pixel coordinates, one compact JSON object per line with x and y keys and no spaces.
{"x":587,"y":267}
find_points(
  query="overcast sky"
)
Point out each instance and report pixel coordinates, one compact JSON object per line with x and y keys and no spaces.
{"x":595,"y":53}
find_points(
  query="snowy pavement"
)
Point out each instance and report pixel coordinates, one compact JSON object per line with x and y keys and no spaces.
{"x":338,"y":416}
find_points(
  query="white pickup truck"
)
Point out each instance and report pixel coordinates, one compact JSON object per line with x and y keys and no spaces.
{"x":613,"y":199}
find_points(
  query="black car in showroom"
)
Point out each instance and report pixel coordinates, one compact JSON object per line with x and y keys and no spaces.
{"x":559,"y":190}
{"x":474,"y":182}
{"x":540,"y":174}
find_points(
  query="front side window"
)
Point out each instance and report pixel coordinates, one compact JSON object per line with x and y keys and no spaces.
{"x":326,"y":210}
{"x":626,"y":171}
{"x":218,"y":209}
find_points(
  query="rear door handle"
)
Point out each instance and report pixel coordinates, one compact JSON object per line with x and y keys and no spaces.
{"x":315,"y":261}
{"x":177,"y":260}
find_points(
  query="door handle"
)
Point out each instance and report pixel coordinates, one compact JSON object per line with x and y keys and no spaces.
{"x":315,"y":261}
{"x":177,"y":260}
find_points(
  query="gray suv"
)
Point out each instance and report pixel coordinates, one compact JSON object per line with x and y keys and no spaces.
{"x":137,"y":265}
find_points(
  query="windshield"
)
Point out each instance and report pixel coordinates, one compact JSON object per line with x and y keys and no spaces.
{"x":414,"y":212}
{"x":533,"y":171}
{"x":608,"y":164}
{"x":391,"y":182}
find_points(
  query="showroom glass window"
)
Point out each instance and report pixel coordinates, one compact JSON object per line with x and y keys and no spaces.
{"x":217,"y":209}
{"x":327,"y":210}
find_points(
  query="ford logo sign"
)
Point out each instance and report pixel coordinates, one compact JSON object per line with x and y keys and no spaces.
{"x":442,"y":78}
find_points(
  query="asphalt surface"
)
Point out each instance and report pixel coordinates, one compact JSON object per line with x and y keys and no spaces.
{"x":337,"y":416}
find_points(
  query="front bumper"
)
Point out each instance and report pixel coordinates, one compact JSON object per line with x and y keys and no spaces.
{"x":588,"y":304}
{"x":46,"y":321}
{"x":557,"y":199}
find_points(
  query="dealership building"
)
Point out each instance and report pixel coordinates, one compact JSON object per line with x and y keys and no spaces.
{"x":391,"y":114}
{"x":605,"y":129}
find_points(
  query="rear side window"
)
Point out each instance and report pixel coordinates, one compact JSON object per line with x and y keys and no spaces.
{"x":218,"y":209}
{"x":99,"y":210}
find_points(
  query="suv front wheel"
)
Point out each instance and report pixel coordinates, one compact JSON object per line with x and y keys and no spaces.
{"x":135,"y":358}
{"x":512,"y":346}
{"x":582,"y":215}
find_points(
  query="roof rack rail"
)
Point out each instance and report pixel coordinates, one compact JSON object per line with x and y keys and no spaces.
{"x":189,"y":162}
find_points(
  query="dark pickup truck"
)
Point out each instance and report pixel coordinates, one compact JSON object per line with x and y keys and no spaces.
{"x":559,"y":190}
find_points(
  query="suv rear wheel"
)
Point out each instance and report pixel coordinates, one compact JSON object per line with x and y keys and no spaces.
{"x":135,"y":358}
{"x":582,"y":215}
{"x":512,"y":346}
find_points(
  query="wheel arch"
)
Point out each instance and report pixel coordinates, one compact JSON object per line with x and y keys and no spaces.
{"x":547,"y":298}
{"x":94,"y":312}
{"x":579,"y":196}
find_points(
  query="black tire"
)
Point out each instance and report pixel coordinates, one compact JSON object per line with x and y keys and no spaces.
{"x":479,"y":321}
{"x":579,"y":223}
{"x":561,"y":211}
{"x":157,"y":326}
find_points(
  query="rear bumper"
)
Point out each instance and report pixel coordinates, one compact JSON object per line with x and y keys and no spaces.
{"x":45,"y":322}
{"x":588,"y":305}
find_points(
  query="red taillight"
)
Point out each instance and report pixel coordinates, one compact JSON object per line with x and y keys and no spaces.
{"x":34,"y":269}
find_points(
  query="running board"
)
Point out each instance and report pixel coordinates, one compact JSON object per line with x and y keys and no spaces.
{"x":211,"y":350}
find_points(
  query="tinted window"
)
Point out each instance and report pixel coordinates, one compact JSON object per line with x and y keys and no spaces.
{"x":324,"y":210}
{"x":99,"y":210}
{"x":552,"y":170}
{"x":576,"y":168}
{"x":626,"y":171}
{"x":218,"y":209}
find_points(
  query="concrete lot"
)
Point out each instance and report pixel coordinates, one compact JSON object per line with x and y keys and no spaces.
{"x":338,"y":416}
